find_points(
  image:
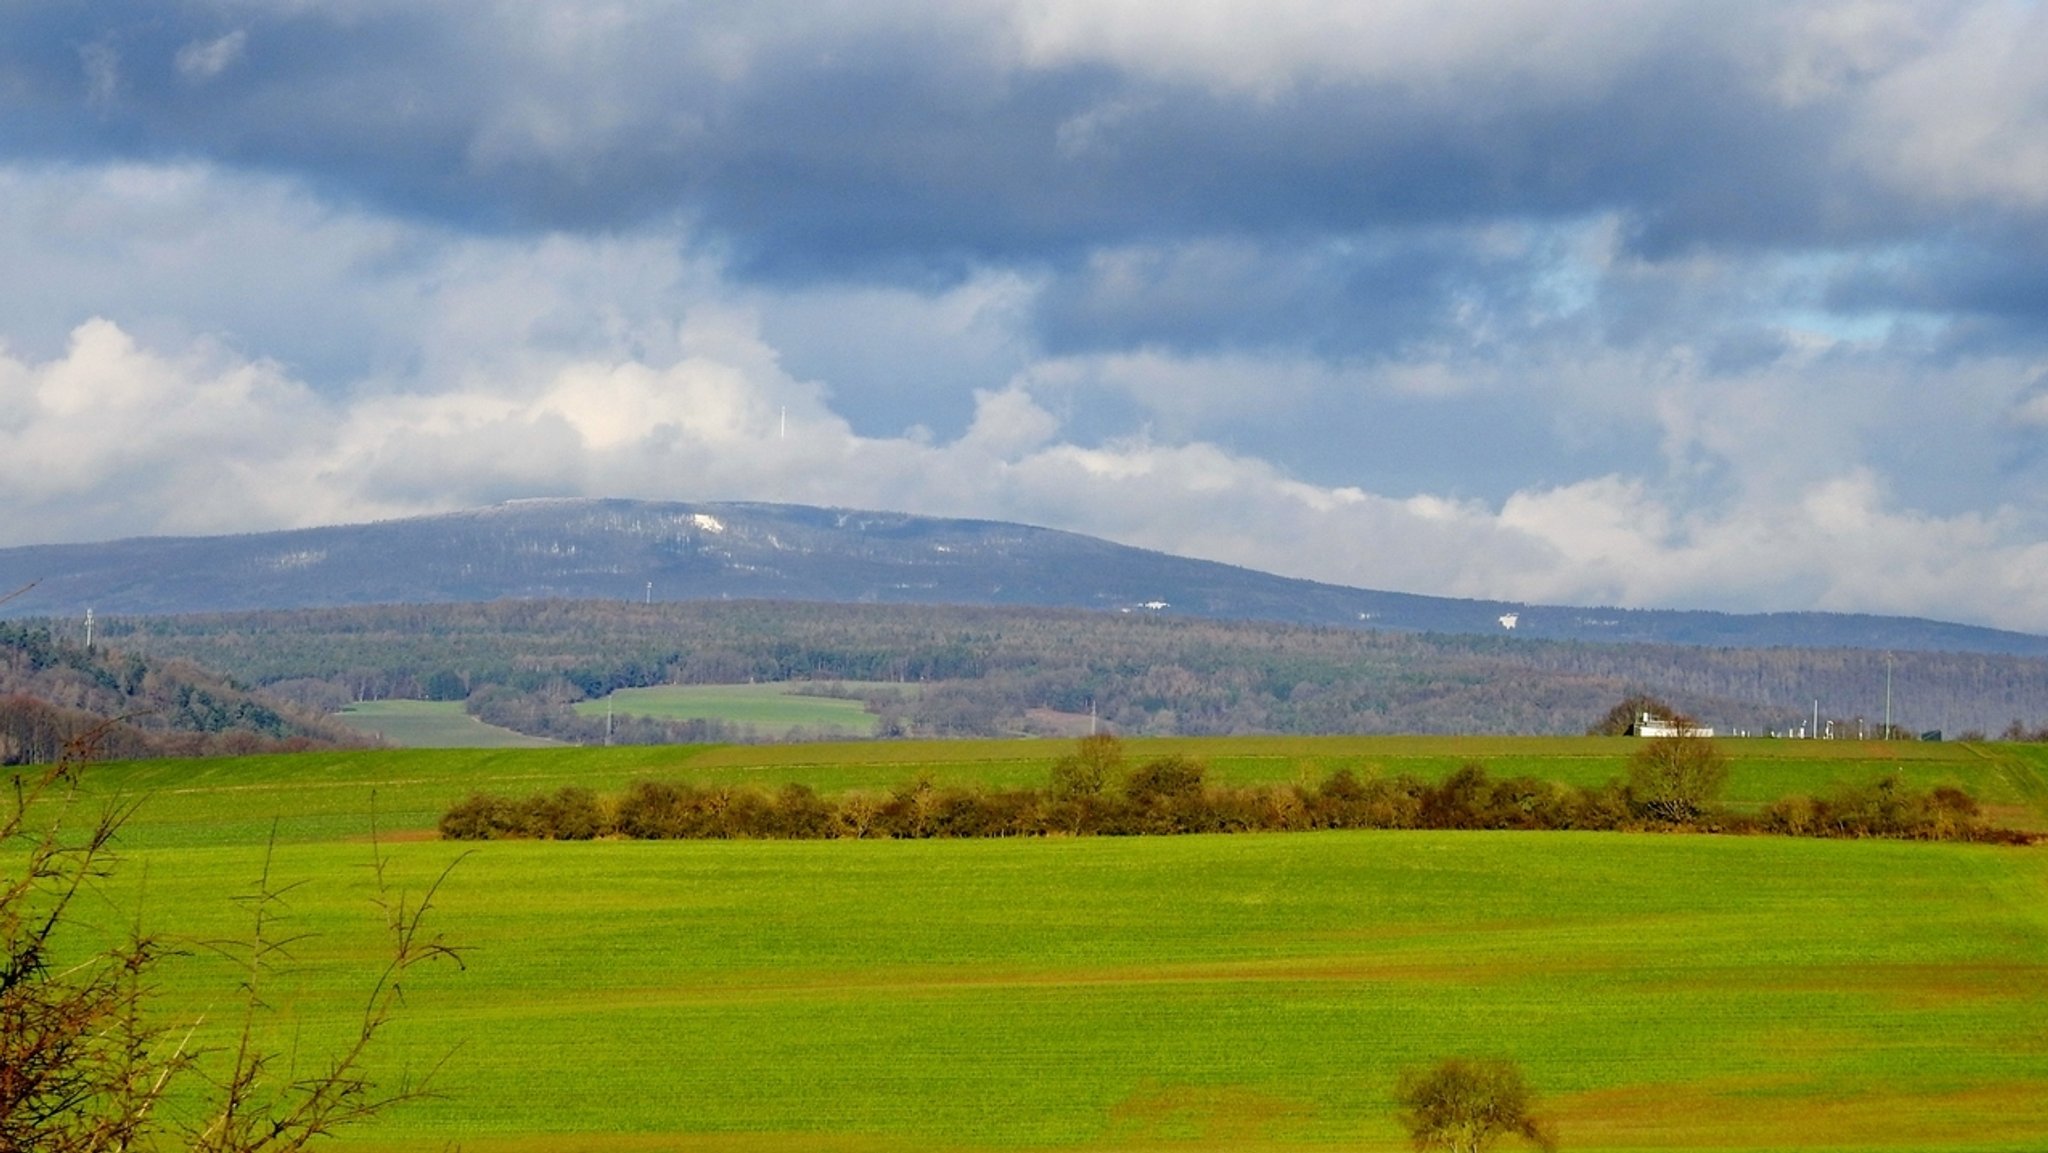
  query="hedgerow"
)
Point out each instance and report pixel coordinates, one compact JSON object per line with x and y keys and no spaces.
{"x":1173,"y":795}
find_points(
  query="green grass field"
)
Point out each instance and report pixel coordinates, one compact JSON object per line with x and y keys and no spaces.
{"x":1194,"y":993}
{"x":433,"y":725}
{"x":770,"y":710}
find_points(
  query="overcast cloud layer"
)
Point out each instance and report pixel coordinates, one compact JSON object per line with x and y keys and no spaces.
{"x":1725,"y":305}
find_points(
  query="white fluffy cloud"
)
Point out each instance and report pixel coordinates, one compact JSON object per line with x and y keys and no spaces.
{"x":113,"y":438}
{"x":1266,"y":48}
{"x":1966,"y":118}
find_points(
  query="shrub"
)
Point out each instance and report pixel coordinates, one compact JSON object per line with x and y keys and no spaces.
{"x":1162,"y":796}
{"x":1169,"y":795}
{"x":1952,"y":813}
{"x":569,"y":814}
{"x":1525,"y":803}
{"x":1085,"y":772}
{"x":1793,"y":816}
{"x":1166,"y":779}
{"x":799,"y":814}
{"x":1604,"y":808}
{"x":1458,"y":801}
{"x":858,"y":817}
{"x":909,"y":809}
{"x":1674,"y":779}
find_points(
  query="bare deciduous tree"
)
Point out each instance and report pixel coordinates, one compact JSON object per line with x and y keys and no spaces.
{"x":1464,"y":1106}
{"x":1675,"y":778}
{"x":1097,"y":759}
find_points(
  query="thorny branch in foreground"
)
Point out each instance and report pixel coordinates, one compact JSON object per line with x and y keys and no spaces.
{"x":83,"y":1063}
{"x":255,"y":1113}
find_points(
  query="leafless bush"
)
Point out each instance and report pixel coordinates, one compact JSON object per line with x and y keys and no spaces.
{"x":84,"y":1059}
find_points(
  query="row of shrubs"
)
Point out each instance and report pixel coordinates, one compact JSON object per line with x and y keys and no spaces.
{"x":1172,"y":795}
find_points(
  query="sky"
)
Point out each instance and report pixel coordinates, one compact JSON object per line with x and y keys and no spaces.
{"x":1727,"y":305}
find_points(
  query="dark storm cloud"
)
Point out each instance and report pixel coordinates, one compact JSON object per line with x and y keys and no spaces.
{"x":899,"y":141}
{"x":910,"y":148}
{"x":1340,"y":297}
{"x":1998,"y":279}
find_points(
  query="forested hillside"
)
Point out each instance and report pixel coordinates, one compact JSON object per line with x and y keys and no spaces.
{"x":54,"y":693}
{"x":995,"y":671}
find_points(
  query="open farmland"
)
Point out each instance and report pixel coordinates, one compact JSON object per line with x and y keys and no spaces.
{"x":432,"y":725}
{"x":1262,"y":992}
{"x":775,"y":709}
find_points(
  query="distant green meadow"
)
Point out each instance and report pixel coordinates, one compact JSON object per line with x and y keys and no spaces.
{"x":1204,"y":992}
{"x":433,"y":725}
{"x":770,"y":710}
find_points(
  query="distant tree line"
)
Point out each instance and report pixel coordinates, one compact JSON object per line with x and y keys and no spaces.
{"x":943,"y":671}
{"x":2019,"y":731}
{"x":1091,"y":792}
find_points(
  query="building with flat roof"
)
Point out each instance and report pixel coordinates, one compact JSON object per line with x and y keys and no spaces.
{"x":1649,"y":726}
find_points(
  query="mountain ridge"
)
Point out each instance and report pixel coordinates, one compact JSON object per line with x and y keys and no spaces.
{"x":600,"y":548}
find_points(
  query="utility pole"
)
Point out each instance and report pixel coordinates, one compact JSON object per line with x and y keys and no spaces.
{"x":1887,"y":696}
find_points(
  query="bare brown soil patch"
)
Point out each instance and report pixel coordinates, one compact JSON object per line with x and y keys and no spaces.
{"x":1904,"y":986}
{"x":1760,"y":1114}
{"x":1217,"y":1115}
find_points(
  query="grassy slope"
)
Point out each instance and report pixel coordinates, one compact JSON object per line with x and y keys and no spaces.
{"x":1238,"y":992}
{"x":772,"y":709}
{"x":1186,"y":993}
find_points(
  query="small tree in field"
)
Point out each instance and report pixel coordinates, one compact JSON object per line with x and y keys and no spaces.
{"x":1675,"y":778}
{"x":1464,"y":1106}
{"x":1096,"y":760}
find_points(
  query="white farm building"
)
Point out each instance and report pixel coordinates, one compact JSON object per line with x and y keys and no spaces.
{"x":1649,"y":726}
